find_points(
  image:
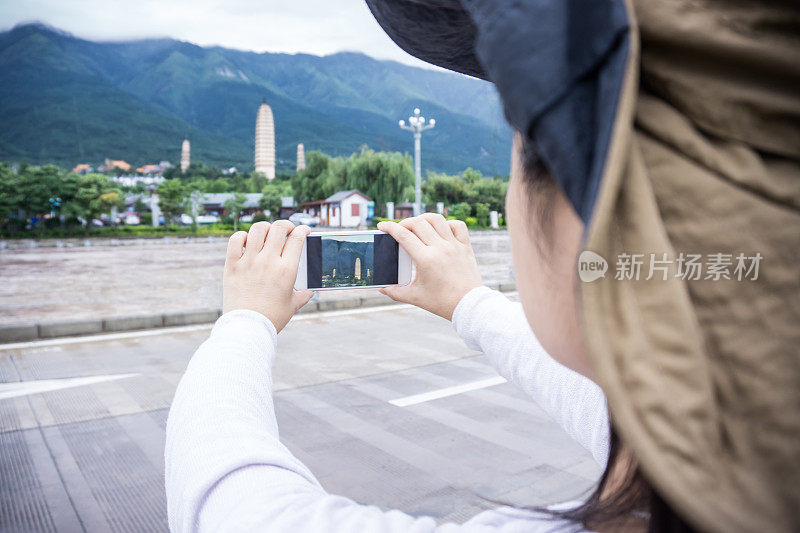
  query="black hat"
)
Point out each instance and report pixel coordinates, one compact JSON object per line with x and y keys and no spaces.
{"x":558,"y":66}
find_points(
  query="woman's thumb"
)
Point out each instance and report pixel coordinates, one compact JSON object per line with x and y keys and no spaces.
{"x":398,"y":293}
{"x":301,"y":298}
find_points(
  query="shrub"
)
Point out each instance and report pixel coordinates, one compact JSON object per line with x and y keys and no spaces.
{"x":375,"y":220}
{"x":472,"y":222}
{"x":482,"y":213}
{"x":461,"y":211}
{"x":259,"y":217}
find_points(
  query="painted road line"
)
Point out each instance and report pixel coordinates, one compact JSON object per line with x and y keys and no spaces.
{"x":61,"y":341}
{"x":24,"y":388}
{"x":449,"y":391}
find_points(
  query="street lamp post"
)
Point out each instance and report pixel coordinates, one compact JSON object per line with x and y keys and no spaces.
{"x":416,"y":125}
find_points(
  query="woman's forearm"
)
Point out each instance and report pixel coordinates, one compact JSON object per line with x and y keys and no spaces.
{"x":222,"y":418}
{"x":226,"y":470}
{"x":487,"y":321}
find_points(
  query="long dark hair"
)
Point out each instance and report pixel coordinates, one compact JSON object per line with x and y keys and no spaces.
{"x":623,"y":498}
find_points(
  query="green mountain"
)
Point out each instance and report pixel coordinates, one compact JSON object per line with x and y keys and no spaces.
{"x":67,"y":100}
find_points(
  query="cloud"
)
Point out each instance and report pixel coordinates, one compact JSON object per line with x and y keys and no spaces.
{"x":312,"y":26}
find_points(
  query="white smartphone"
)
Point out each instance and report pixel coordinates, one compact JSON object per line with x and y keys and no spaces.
{"x":352,"y":260}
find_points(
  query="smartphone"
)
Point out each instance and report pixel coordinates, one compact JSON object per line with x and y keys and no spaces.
{"x":352,"y":260}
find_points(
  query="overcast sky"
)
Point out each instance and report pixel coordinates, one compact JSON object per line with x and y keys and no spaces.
{"x":313,"y":26}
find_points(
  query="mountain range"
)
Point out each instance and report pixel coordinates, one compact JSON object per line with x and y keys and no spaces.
{"x":67,"y":100}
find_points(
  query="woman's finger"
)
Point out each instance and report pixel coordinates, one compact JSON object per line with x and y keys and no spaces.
{"x":399,"y":293}
{"x":405,"y":238}
{"x":294,"y":245}
{"x":255,"y":238}
{"x":460,"y":231}
{"x":235,"y":245}
{"x":422,"y":229}
{"x":439,"y":224}
{"x":301,"y":298}
{"x":277,"y":237}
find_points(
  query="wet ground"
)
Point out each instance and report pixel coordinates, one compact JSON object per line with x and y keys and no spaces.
{"x":144,"y":276}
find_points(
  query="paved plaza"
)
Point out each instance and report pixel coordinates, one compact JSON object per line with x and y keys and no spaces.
{"x":147,"y":276}
{"x":82,"y":423}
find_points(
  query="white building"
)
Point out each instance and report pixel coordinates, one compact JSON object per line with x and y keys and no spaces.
{"x":345,"y":209}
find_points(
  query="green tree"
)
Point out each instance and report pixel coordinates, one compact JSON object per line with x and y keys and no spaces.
{"x":9,"y":199}
{"x":471,"y":176}
{"x":482,"y":213}
{"x":139,"y":207}
{"x":200,"y":170}
{"x":461,"y":211}
{"x":218,"y":185}
{"x":270,"y":201}
{"x":172,"y":199}
{"x":488,"y":191}
{"x":308,"y":184}
{"x":96,"y":194}
{"x":257,"y":182}
{"x":36,"y":186}
{"x":234,"y":205}
{"x":443,"y":188}
{"x":384,"y":177}
{"x":173,"y":172}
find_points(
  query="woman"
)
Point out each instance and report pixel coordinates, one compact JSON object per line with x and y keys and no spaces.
{"x":660,"y":130}
{"x":226,"y":468}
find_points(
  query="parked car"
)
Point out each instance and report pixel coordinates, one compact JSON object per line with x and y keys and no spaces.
{"x":246,"y":218}
{"x":207,"y":219}
{"x":300,"y":219}
{"x":132,"y":220}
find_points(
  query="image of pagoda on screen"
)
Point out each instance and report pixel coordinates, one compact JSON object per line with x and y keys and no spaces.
{"x":347,"y":260}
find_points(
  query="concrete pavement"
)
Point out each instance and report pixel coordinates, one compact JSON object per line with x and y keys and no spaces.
{"x":87,"y":454}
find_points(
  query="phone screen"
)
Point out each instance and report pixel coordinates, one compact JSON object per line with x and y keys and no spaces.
{"x":351,"y":260}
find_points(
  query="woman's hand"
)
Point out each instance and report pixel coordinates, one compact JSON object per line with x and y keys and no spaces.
{"x":262,"y":276}
{"x":446,"y":266}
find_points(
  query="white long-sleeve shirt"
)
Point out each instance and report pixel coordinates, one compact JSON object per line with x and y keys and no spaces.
{"x":226,"y":469}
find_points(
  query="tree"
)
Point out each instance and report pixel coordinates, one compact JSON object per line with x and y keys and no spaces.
{"x":482,"y":213}
{"x":9,"y":199}
{"x":444,"y":188}
{"x":35,"y":186}
{"x":234,"y":206}
{"x":307,"y":185}
{"x":257,"y":182}
{"x":172,"y":172}
{"x":270,"y":201}
{"x":384,"y":177}
{"x":461,"y":211}
{"x":218,"y":185}
{"x":96,"y":194}
{"x":139,"y":207}
{"x":172,"y":196}
{"x":470,"y":176}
